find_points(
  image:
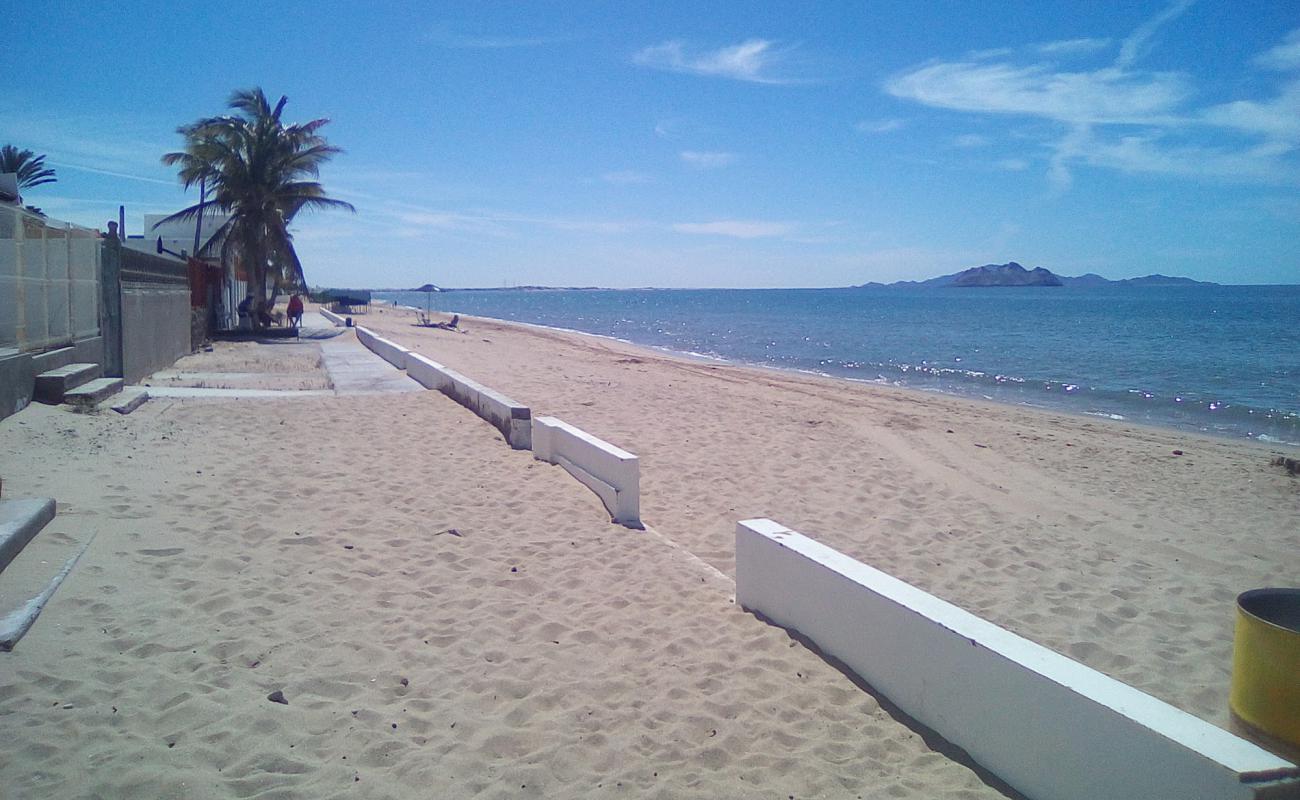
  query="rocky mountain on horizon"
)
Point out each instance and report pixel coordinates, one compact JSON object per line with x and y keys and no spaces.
{"x":1008,"y":274}
{"x":1013,"y":274}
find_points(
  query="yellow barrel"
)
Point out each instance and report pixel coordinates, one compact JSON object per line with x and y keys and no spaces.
{"x":1266,"y":664}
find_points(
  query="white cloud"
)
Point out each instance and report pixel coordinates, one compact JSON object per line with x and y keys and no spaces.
{"x":879,"y":125}
{"x":1133,"y":47}
{"x":1120,"y":117}
{"x":1144,"y":154}
{"x":969,"y":140}
{"x":748,"y":61}
{"x":1103,"y":96}
{"x":1069,"y":47}
{"x":1151,"y":153}
{"x":1277,"y":119}
{"x":739,"y":229}
{"x":113,"y":173}
{"x":1285,"y":56}
{"x":702,"y":160}
{"x":1013,"y":164}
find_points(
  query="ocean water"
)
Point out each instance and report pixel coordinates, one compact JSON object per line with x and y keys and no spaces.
{"x":1216,"y":359}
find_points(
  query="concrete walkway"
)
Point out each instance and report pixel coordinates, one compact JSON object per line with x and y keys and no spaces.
{"x":355,"y":370}
{"x":352,"y":368}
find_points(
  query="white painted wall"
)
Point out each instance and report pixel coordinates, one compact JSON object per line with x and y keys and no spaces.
{"x":332,"y":318}
{"x":611,"y":472}
{"x":389,"y":351}
{"x":1049,"y":726}
{"x":427,"y":372}
{"x":514,"y":420}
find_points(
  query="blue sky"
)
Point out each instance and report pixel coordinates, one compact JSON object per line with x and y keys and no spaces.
{"x":689,"y":144}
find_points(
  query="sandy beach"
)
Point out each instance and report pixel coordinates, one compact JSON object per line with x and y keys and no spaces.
{"x":447,"y":617}
{"x":1088,"y":536}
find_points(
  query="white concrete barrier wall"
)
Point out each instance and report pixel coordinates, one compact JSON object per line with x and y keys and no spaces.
{"x":332,"y":318}
{"x":1050,"y":727}
{"x":389,"y":351}
{"x":512,"y":419}
{"x":611,"y":472}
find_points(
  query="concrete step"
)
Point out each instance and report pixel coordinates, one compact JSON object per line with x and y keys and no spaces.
{"x":129,"y":400}
{"x":20,"y":521}
{"x":89,"y":394}
{"x":53,"y":359}
{"x":52,"y":385}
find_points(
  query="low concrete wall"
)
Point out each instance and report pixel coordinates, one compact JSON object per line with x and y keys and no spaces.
{"x":390,"y":351}
{"x":611,"y":472}
{"x":1050,"y":727}
{"x":512,"y":419}
{"x":334,"y":319}
{"x":429,"y":373}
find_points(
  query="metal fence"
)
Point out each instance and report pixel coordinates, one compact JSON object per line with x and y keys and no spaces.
{"x":49,"y":281}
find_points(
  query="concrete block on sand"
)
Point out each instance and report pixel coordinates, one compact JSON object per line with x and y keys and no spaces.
{"x":20,"y":520}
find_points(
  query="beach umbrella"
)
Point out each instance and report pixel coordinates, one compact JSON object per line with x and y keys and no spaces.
{"x":428,"y":290}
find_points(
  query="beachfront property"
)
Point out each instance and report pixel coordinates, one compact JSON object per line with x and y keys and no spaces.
{"x":476,"y":688}
{"x":792,"y":520}
{"x":226,"y":286}
{"x":81,"y":314}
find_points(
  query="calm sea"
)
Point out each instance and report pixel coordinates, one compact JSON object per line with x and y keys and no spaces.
{"x":1216,"y":359}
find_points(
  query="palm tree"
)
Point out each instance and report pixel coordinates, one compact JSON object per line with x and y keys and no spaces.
{"x":260,"y":173}
{"x":29,"y":166}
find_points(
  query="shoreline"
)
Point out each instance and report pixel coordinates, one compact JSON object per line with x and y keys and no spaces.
{"x":1119,"y":545}
{"x":445,"y":614}
{"x":1280,"y":447}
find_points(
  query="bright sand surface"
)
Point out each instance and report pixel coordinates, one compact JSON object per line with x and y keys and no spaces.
{"x":247,"y":546}
{"x":303,"y":545}
{"x":1086,"y":535}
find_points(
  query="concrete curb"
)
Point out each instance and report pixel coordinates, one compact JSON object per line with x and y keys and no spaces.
{"x":1050,"y":727}
{"x":20,"y":521}
{"x":611,"y":472}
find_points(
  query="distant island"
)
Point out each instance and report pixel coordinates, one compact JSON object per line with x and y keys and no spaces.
{"x":1013,"y":274}
{"x":988,"y":275}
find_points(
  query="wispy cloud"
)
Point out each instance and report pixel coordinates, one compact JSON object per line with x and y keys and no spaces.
{"x":1012,"y":164}
{"x":736,"y":229}
{"x":879,"y":125}
{"x":112,"y":173}
{"x":1118,"y":116}
{"x":1135,"y":45}
{"x":1285,"y":56}
{"x":1151,"y":154}
{"x":703,"y":160}
{"x":122,"y":144}
{"x":1101,"y":97}
{"x":970,"y":140}
{"x":1071,"y":47}
{"x":751,"y":60}
{"x":1277,"y":119}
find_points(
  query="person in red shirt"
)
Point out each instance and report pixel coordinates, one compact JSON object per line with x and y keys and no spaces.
{"x":295,"y":311}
